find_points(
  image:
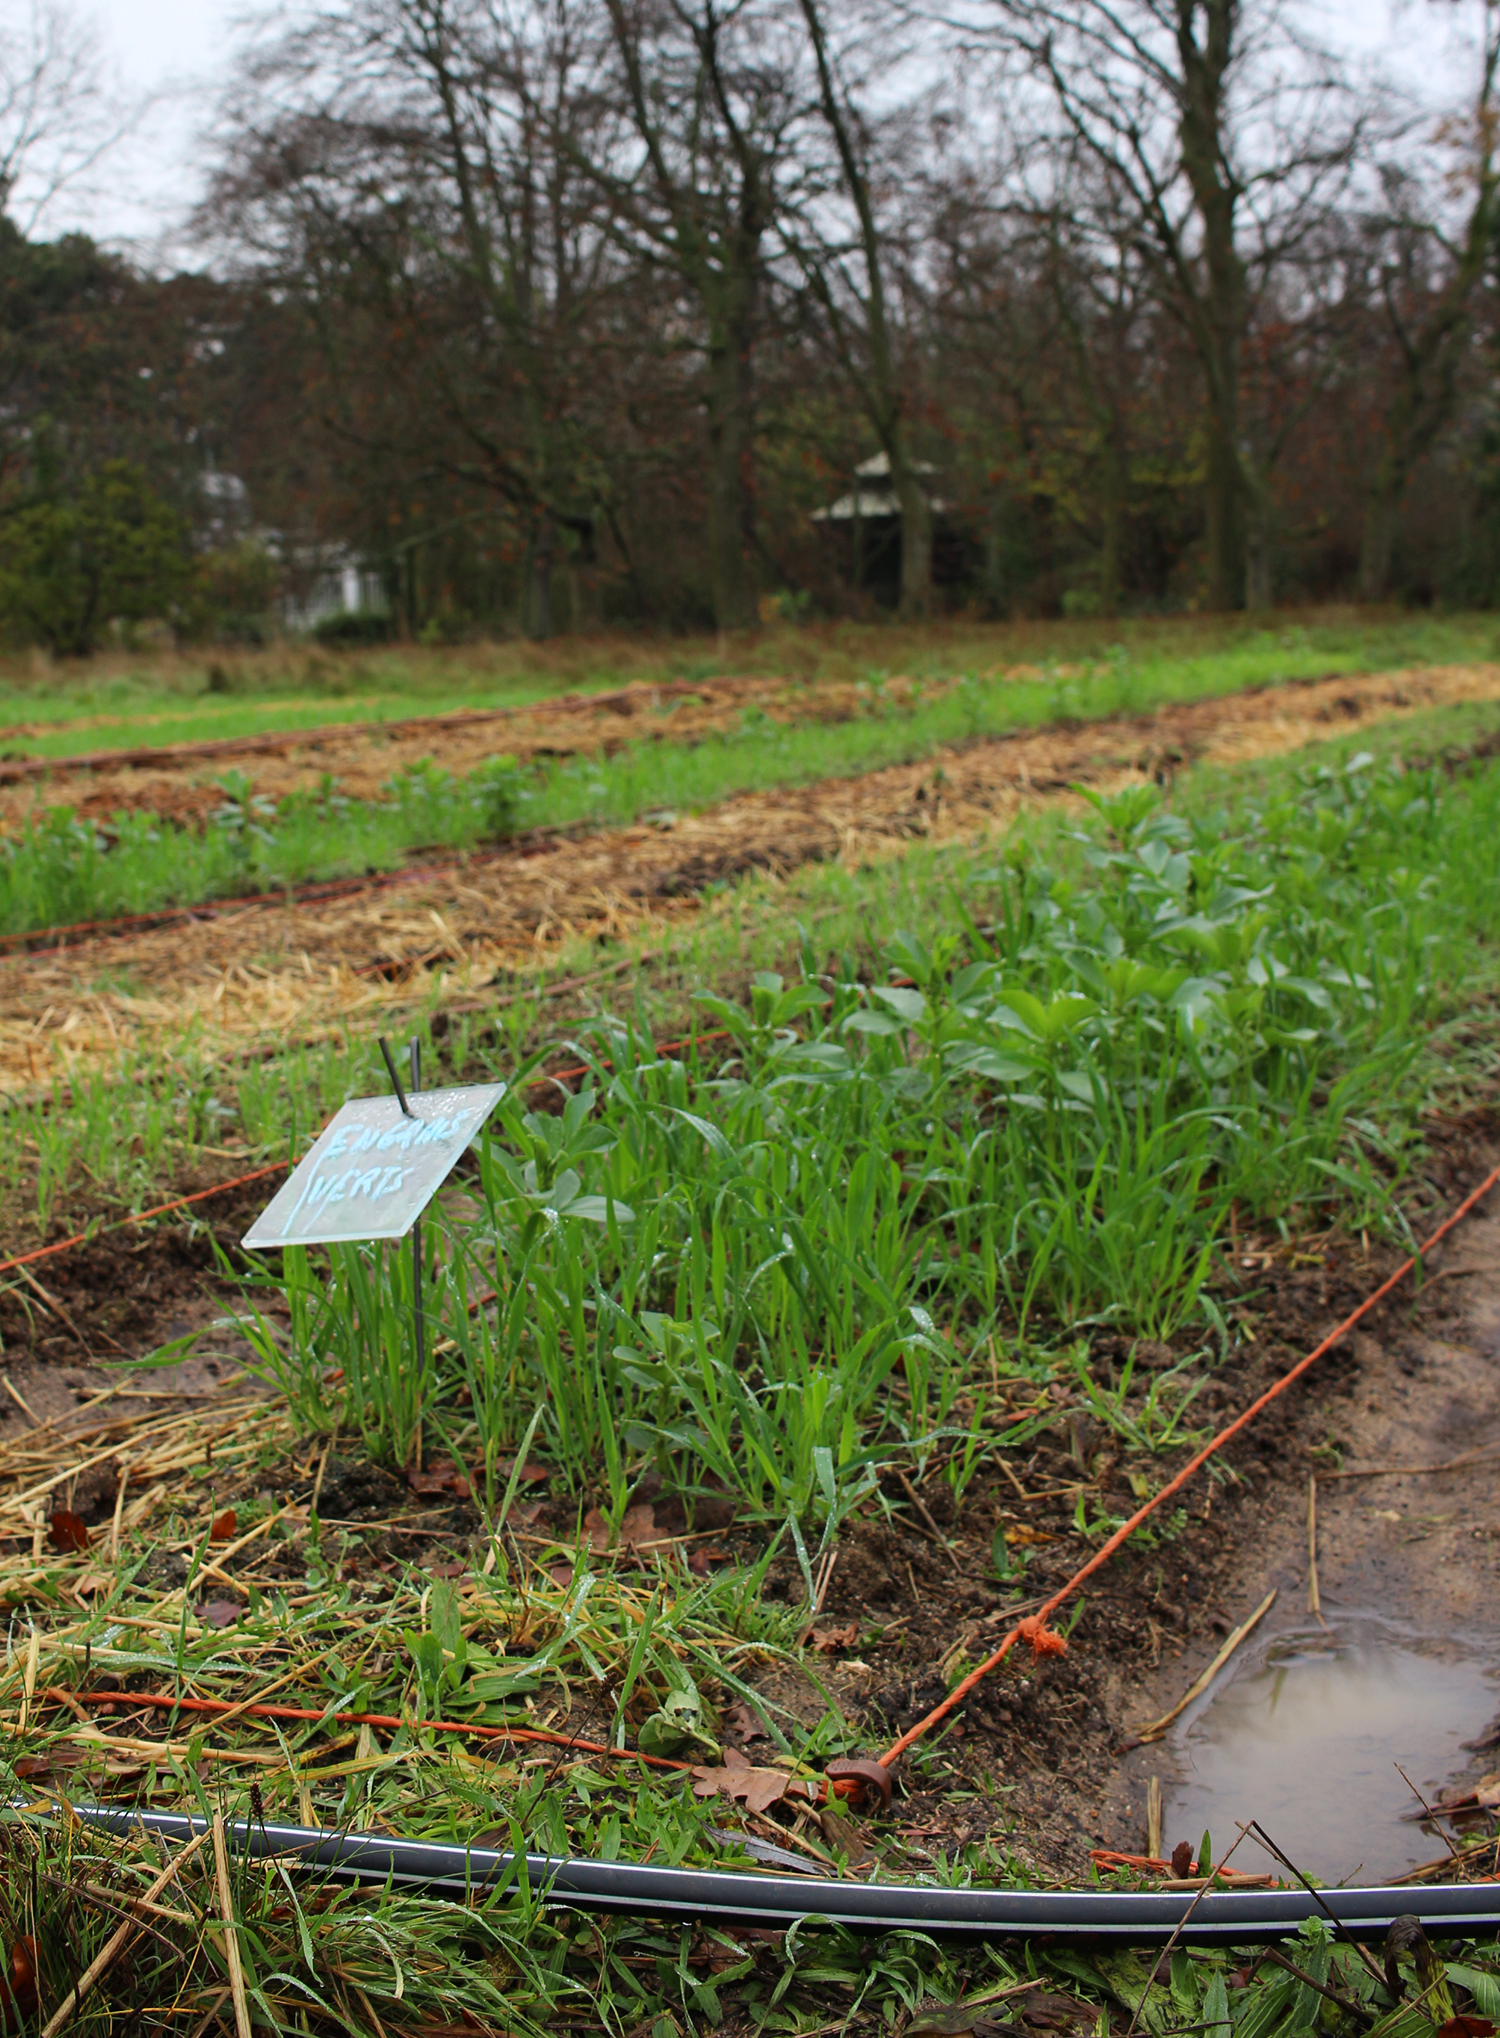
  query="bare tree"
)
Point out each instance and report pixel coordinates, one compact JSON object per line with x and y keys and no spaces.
{"x":848,"y":273}
{"x":59,"y":112}
{"x":712,"y":104}
{"x":1224,"y":139}
{"x":1434,"y":240}
{"x":410,"y":173}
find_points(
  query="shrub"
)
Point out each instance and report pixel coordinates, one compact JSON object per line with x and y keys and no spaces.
{"x":110,"y":550}
{"x":356,"y":626}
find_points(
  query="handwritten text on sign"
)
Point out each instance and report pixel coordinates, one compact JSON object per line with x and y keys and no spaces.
{"x":374,"y":1170}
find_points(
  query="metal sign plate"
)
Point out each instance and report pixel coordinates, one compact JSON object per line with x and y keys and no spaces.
{"x":373,"y":1171}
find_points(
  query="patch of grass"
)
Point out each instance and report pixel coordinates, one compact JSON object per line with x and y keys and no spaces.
{"x":58,"y":870}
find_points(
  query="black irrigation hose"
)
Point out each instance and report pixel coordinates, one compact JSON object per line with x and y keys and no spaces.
{"x":728,"y":1897}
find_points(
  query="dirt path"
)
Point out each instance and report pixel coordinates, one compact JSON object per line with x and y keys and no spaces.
{"x":300,"y":973}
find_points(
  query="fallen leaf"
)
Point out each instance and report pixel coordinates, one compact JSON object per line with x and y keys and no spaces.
{"x":441,"y":1476}
{"x":1021,"y":1533}
{"x":844,"y":1837}
{"x":639,"y":1526}
{"x":1182,"y":1859}
{"x":1045,"y":2012}
{"x":705,"y":1555}
{"x":30,"y":1767}
{"x":447,"y":1570}
{"x":219,"y":1613}
{"x":223,"y":1526}
{"x":561,"y":1574}
{"x":638,"y":1530}
{"x":67,"y":1531}
{"x":756,"y":1789}
{"x":1487,"y":1792}
{"x":530,"y":1471}
{"x":1466,"y":2027}
{"x":22,"y":1977}
{"x":826,"y":1640}
{"x":744,"y":1720}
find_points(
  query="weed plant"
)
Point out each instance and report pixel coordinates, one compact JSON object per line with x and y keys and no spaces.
{"x":60,"y":869}
{"x":780,"y":1263}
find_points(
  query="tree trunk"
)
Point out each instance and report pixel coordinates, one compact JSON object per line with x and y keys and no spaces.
{"x":542,"y":554}
{"x":916,"y":539}
{"x":731,"y":479}
{"x":1257,"y":560}
{"x":1114,"y":517}
{"x":1221,"y":503}
{"x":1377,"y":543}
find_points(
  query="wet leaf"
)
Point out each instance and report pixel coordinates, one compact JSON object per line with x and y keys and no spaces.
{"x":826,"y":1640}
{"x":442,"y":1476}
{"x":704,"y":1557}
{"x":219,"y":1613}
{"x":742,"y":1719}
{"x":67,"y":1531}
{"x":21,"y":1976}
{"x":1182,"y":1860}
{"x":223,"y":1526}
{"x":756,"y":1789}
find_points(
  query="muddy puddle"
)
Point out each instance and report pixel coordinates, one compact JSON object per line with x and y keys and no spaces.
{"x":1305,"y":1738}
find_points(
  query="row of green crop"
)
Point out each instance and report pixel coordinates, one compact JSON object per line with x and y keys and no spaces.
{"x":60,"y":869}
{"x":778,"y":1263}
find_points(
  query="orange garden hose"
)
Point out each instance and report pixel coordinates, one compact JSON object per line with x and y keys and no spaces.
{"x":1035,"y":1630}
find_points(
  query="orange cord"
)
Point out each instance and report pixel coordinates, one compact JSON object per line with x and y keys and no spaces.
{"x":63,"y":1245}
{"x":1035,"y":1630}
{"x":369,"y":1719}
{"x":45,"y":1252}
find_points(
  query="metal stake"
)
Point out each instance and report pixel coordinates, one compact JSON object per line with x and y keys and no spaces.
{"x":416,"y":1241}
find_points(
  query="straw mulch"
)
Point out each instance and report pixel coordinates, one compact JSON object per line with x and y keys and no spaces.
{"x":178,"y":782}
{"x":257,"y":976}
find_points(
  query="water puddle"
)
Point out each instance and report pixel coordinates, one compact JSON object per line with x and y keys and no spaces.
{"x":1305,"y":1738}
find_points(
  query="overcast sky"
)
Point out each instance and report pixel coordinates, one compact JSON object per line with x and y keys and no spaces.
{"x":178,"y":50}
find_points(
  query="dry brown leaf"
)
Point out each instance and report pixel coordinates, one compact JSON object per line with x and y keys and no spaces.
{"x":756,"y":1789}
{"x":441,"y":1476}
{"x":743,"y":1720}
{"x":704,"y":1556}
{"x":826,"y":1640}
{"x":219,"y":1613}
{"x":1487,"y":1792}
{"x":224,"y":1526}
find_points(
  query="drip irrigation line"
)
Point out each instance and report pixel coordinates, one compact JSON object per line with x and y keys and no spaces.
{"x":1034,"y":1629}
{"x":730,"y":1896}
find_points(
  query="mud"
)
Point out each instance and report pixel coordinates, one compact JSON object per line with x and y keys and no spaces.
{"x":282,"y":973}
{"x":1043,"y":1751}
